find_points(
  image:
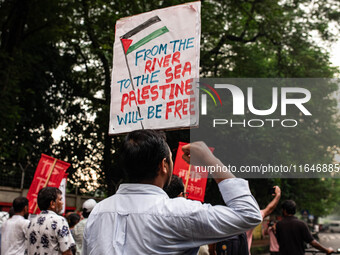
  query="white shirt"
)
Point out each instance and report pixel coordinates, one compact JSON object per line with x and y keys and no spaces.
{"x":48,"y":233}
{"x":142,"y":219}
{"x":78,"y":233}
{"x":3,"y":217}
{"x":13,"y":235}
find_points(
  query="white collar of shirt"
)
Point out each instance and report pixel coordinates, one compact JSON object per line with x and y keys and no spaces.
{"x":48,"y":212}
{"x":139,"y":188}
{"x":16,"y":216}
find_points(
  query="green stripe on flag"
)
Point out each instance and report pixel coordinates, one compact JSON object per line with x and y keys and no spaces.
{"x":147,"y":39}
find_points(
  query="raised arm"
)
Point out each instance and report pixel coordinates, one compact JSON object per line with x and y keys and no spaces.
{"x":272,"y":205}
{"x":214,"y":223}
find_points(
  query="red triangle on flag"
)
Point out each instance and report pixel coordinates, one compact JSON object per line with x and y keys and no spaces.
{"x":126,"y":44}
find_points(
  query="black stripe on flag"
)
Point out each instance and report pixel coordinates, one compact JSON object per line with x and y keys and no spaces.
{"x":141,"y":27}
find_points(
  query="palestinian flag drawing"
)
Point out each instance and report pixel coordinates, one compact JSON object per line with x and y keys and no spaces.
{"x":129,"y":45}
{"x":130,"y":40}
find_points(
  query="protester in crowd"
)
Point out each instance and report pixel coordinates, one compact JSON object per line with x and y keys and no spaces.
{"x":3,"y":218}
{"x":241,"y":244}
{"x":292,"y":233}
{"x":48,"y":232}
{"x":265,"y":212}
{"x":72,"y":220}
{"x":141,"y":219}
{"x":14,"y":229}
{"x":175,"y":188}
{"x":88,"y":205}
{"x":271,"y":231}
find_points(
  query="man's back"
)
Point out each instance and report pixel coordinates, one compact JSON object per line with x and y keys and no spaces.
{"x":13,"y":235}
{"x":48,"y":233}
{"x":291,"y":234}
{"x":141,"y":219}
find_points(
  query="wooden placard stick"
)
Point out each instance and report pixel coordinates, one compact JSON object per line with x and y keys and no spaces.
{"x":187,"y":179}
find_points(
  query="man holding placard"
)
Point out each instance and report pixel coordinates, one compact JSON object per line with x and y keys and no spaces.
{"x":141,"y":219}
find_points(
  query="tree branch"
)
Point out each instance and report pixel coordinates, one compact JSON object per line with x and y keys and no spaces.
{"x":96,"y":47}
{"x":229,"y":37}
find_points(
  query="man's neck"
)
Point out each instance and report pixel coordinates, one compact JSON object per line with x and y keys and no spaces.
{"x":157,"y":182}
{"x":53,"y":210}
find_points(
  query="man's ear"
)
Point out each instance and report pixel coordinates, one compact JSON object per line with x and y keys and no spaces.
{"x":52,"y":205}
{"x":164,"y":166}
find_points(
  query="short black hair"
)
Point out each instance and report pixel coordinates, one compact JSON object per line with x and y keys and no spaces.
{"x":46,"y":195}
{"x":142,"y":153}
{"x":85,"y":213}
{"x":11,"y":212}
{"x":289,"y":206}
{"x":175,"y":187}
{"x":73,"y":219}
{"x":19,"y":204}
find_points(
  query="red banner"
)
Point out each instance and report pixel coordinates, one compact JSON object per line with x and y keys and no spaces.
{"x":197,"y":182}
{"x":49,"y":173}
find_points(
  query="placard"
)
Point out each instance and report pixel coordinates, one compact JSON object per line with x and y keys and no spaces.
{"x":197,"y":182}
{"x":156,"y":58}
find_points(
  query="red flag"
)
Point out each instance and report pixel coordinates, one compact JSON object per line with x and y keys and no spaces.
{"x":49,"y":173}
{"x":197,"y":180}
{"x":126,"y":44}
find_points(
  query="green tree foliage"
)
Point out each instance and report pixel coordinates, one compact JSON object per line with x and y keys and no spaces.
{"x":36,"y":80}
{"x":56,"y":68}
{"x":273,"y":39}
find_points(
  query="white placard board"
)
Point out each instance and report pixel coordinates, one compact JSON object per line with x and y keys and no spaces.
{"x":156,"y":58}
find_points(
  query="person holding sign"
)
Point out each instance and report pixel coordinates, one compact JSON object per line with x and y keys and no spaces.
{"x":141,"y":219}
